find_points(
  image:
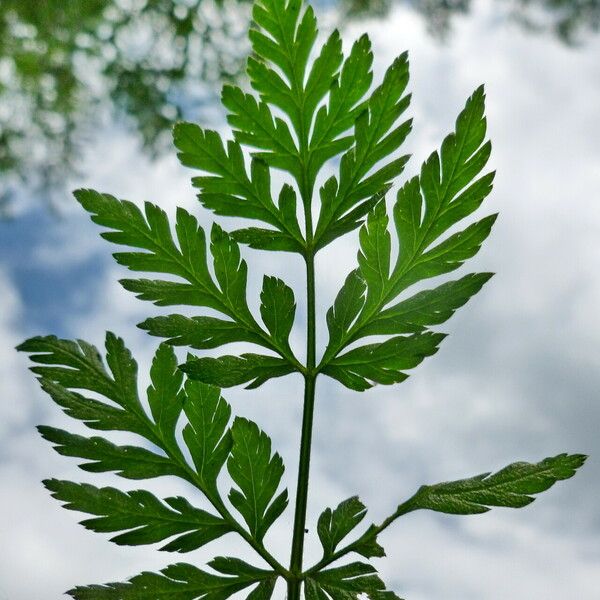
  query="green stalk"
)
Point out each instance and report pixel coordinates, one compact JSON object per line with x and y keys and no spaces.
{"x":310,"y":375}
{"x":294,"y":584}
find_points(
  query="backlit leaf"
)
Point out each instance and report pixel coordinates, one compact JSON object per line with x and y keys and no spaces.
{"x":257,"y":474}
{"x":229,"y":371}
{"x":176,"y":582}
{"x":139,"y":517}
{"x":349,"y":582}
{"x":513,"y":487}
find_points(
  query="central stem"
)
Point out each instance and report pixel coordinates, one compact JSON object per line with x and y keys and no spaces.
{"x":302,"y":492}
{"x":295,"y":582}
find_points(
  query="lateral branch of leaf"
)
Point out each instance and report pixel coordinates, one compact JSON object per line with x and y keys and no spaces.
{"x":194,"y":478}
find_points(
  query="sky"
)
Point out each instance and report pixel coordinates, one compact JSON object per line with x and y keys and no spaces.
{"x":517,"y":379}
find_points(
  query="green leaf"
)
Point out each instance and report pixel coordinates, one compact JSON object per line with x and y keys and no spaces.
{"x":254,"y":125}
{"x":229,"y":191}
{"x":77,"y":364}
{"x":278,"y":309}
{"x":426,"y":207}
{"x":198,"y":332}
{"x":176,"y":582}
{"x":208,"y":414}
{"x":308,"y":106}
{"x":265,"y":239}
{"x":273,"y":89}
{"x":63,"y":364}
{"x":166,"y":293}
{"x":103,"y":456}
{"x":269,"y":239}
{"x":229,"y":371}
{"x":348,"y":582}
{"x":206,"y":434}
{"x":446,"y":192}
{"x":186,"y":259}
{"x":367,"y":544}
{"x":288,"y":48}
{"x":231,"y":271}
{"x":448,"y":255}
{"x":334,"y":525}
{"x":95,"y":414}
{"x":242,"y":570}
{"x":140,"y":517}
{"x":284,"y":37}
{"x":150,"y":231}
{"x":512,"y":487}
{"x":374,"y":255}
{"x":165,"y":394}
{"x":383,"y":362}
{"x":374,"y":142}
{"x":343,"y":106}
{"x":263,"y":591}
{"x":426,"y":308}
{"x":257,"y":475}
{"x":346,"y":308}
{"x":322,"y":75}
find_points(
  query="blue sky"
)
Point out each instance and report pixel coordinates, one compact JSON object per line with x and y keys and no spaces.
{"x":518,"y":379}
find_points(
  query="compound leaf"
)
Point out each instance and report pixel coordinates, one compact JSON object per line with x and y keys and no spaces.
{"x":346,"y":307}
{"x":64,"y":365}
{"x":198,"y":332}
{"x":206,"y":434}
{"x":229,"y":371}
{"x":334,"y":525}
{"x":254,"y":125}
{"x":165,"y":394}
{"x":139,"y":516}
{"x":427,"y":206}
{"x":384,"y":362}
{"x":373,"y":142}
{"x":131,"y":462}
{"x":302,"y":115}
{"x":278,"y":309}
{"x":176,"y":582}
{"x":339,"y":114}
{"x":513,"y":487}
{"x":257,"y":474}
{"x":229,"y":190}
{"x":426,"y":308}
{"x":348,"y":582}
